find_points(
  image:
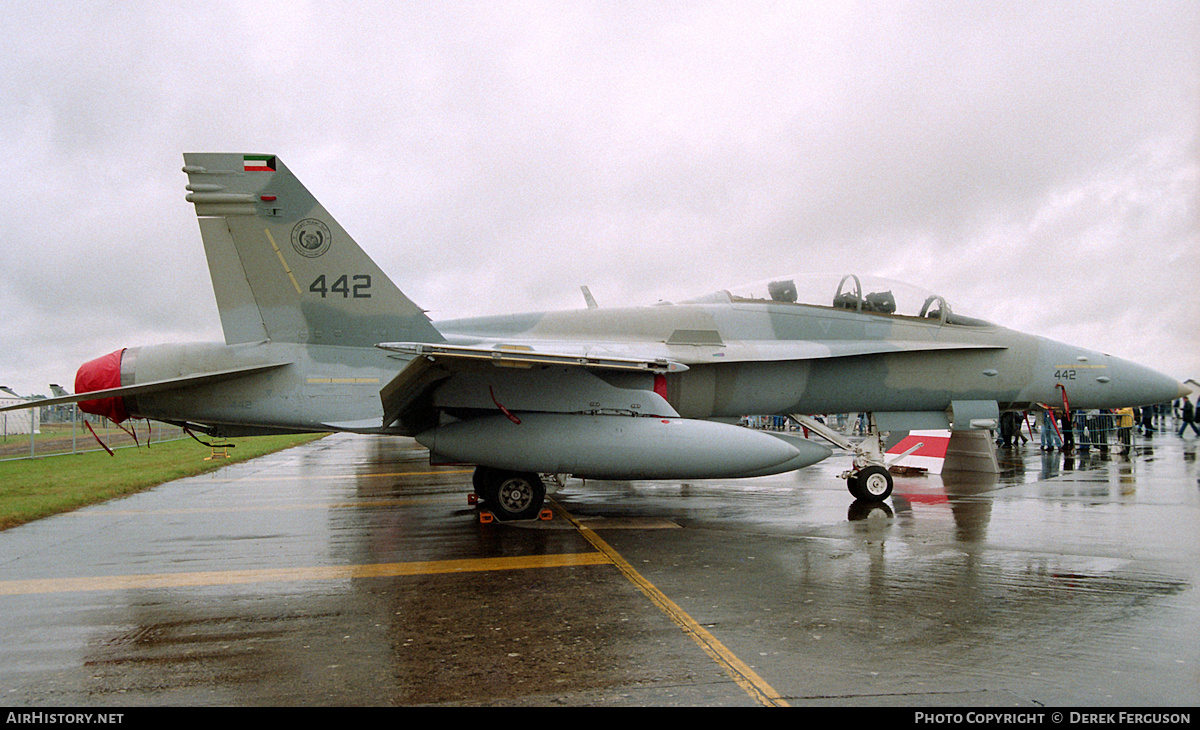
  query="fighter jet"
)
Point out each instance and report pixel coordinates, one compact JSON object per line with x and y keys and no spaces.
{"x":318,"y":338}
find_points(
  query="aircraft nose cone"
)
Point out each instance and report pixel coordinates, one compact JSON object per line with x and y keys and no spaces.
{"x":1142,"y":386}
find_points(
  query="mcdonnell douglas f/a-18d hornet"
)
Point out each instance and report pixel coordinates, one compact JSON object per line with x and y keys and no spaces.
{"x":317,"y":338}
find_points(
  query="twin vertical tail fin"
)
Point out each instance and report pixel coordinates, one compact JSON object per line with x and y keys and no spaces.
{"x":282,"y":268}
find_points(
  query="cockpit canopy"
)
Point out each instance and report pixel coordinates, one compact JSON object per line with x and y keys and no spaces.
{"x":867,"y":294}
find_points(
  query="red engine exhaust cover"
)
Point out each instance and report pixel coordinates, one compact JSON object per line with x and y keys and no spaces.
{"x":99,"y":374}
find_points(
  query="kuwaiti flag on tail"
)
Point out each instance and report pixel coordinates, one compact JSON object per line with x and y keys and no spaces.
{"x":259,"y":163}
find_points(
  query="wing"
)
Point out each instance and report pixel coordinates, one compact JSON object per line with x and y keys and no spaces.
{"x":671,"y":355}
{"x":575,"y":377}
{"x":525,"y":356}
{"x":517,"y":377}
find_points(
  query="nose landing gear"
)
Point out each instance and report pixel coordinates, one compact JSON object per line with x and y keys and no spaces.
{"x":872,"y":484}
{"x":868,"y":479}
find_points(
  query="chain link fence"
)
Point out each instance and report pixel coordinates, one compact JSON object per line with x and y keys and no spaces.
{"x":67,"y":430}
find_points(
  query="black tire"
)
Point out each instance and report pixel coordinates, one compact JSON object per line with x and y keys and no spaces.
{"x":486,"y":481}
{"x":873,"y":484}
{"x":510,"y":495}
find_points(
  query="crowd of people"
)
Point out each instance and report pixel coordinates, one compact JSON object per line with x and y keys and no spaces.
{"x":1068,"y":431}
{"x":1057,"y":429}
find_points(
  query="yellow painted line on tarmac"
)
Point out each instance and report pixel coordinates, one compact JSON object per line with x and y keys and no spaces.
{"x":292,"y":575}
{"x":397,"y":502}
{"x":317,"y":477}
{"x":242,"y":508}
{"x":739,"y":671}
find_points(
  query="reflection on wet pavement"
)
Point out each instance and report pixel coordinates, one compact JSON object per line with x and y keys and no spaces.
{"x":350,"y":571}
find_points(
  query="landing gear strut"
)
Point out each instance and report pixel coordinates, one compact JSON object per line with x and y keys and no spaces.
{"x":868,"y":479}
{"x":509,"y":495}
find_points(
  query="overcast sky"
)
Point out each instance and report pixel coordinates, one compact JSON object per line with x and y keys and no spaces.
{"x":1035,"y":163}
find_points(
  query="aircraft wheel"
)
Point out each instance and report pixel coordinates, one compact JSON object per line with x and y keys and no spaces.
{"x":873,"y":484}
{"x":510,"y":495}
{"x":486,"y":481}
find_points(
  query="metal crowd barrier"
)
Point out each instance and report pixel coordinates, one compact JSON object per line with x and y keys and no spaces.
{"x":63,"y":431}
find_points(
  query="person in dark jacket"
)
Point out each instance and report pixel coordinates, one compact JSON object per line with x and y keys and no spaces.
{"x":1148,"y":422}
{"x":1189,"y":417}
{"x":1068,"y":433}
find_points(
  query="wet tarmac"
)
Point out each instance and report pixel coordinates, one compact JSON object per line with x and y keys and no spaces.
{"x":348,"y":572}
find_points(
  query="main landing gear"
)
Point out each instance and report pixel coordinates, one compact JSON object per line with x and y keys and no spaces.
{"x":509,"y":495}
{"x":868,"y":478}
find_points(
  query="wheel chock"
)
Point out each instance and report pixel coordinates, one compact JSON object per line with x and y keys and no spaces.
{"x":486,"y":518}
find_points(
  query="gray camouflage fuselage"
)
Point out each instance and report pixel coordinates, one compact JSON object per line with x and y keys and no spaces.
{"x":738,"y":364}
{"x":319,"y":339}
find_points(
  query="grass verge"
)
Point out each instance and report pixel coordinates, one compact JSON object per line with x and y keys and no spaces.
{"x":34,"y":488}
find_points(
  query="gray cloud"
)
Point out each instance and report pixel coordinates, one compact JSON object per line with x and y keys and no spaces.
{"x":1036,"y":163}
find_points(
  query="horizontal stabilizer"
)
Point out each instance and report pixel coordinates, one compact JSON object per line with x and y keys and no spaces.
{"x":156,"y":386}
